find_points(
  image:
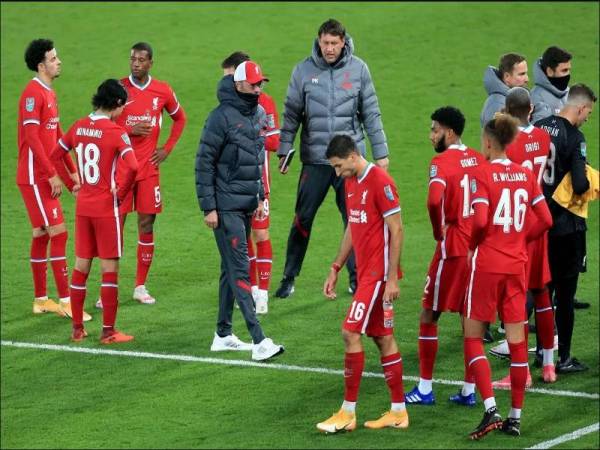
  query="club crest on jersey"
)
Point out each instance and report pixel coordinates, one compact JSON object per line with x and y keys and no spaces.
{"x":433,"y":171}
{"x":125,"y":138}
{"x":363,"y":200}
{"x":473,"y":186}
{"x":29,"y":104}
{"x":583,"y":149}
{"x":387,"y":190}
{"x":155,"y":103}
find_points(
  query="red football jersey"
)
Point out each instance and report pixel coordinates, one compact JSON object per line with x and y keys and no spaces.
{"x":97,"y":141}
{"x":531,"y":149}
{"x":369,"y":200}
{"x":37,"y":106}
{"x":509,"y":190}
{"x":270,"y":130}
{"x":146,"y":104}
{"x":454,"y":169}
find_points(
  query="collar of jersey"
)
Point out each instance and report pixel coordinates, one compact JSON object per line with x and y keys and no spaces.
{"x":367,"y":170}
{"x":97,"y":117}
{"x":528,"y":129}
{"x":141,"y":88}
{"x":503,"y":161}
{"x":42,"y":83}
{"x":461,"y":147}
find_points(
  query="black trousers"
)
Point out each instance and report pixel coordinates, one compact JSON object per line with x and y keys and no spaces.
{"x":231,"y":236}
{"x":313,"y":185}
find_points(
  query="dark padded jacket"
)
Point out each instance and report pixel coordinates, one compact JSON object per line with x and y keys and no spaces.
{"x":230,"y":157}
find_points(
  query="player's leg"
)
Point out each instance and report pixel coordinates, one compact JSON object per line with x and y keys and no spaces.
{"x":544,"y":323}
{"x":340,"y":200}
{"x":313,"y":185}
{"x":422,"y":393}
{"x":519,"y":369}
{"x":109,"y":292}
{"x":145,"y":255}
{"x":264,"y":264}
{"x":79,"y":287}
{"x":253,"y":272}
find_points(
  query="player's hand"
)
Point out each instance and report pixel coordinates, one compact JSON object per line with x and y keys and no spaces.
{"x":469,"y":258}
{"x":329,"y":286}
{"x":384,"y":163}
{"x":212,"y":219}
{"x":444,"y":231}
{"x":56,"y":186}
{"x":285,"y":170}
{"x":159,"y":155}
{"x":141,"y":129}
{"x":260,"y":211}
{"x":75,"y":189}
{"x":392,"y":290}
{"x":75,"y":177}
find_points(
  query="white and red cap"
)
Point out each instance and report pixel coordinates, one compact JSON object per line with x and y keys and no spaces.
{"x":249,"y":71}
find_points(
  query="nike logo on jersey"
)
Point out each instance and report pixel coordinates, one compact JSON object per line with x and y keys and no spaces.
{"x":350,"y":194}
{"x":129,"y":102}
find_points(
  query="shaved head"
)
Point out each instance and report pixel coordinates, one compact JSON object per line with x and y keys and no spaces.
{"x":518,"y":103}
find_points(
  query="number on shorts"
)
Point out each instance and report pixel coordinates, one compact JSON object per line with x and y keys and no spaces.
{"x":357,"y":311}
{"x":427,"y":283}
{"x":88,"y":159}
{"x":157,"y":195}
{"x":266,"y":206}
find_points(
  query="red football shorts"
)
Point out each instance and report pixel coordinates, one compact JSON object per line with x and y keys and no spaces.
{"x":490,"y":292}
{"x":445,"y":284}
{"x":43,"y":210}
{"x":537,"y":269}
{"x":264,"y":223}
{"x":98,"y":236}
{"x":144,"y":197}
{"x":365,"y":315}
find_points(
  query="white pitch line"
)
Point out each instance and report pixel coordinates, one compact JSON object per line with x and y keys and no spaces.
{"x":568,"y":437}
{"x":264,"y":365}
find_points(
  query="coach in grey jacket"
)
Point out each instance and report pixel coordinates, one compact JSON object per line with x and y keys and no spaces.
{"x":330,"y":92}
{"x":551,"y":75}
{"x":229,"y":190}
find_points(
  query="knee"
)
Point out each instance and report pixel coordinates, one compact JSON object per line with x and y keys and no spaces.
{"x":351,"y":339}
{"x":260,"y":235}
{"x":146,"y":223}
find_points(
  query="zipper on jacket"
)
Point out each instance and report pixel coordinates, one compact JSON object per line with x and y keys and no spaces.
{"x":331,"y":100}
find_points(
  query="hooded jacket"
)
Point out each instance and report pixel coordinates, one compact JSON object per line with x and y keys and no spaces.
{"x":546,"y":98}
{"x":230,"y":156}
{"x":328,"y":100}
{"x":496,"y":90}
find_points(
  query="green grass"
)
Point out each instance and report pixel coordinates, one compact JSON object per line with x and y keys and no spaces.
{"x":421,"y":56}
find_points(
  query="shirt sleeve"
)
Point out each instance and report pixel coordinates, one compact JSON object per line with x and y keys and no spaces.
{"x":386,"y":197}
{"x":171,"y":104}
{"x":32,"y":108}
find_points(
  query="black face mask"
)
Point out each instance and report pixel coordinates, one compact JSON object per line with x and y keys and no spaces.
{"x":441,"y":145}
{"x":250,"y":99}
{"x":560,"y":83}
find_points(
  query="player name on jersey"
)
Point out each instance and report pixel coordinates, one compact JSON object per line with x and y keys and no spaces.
{"x":89,"y":132}
{"x":509,"y":176}
{"x":468,"y":162}
{"x":552,"y":131}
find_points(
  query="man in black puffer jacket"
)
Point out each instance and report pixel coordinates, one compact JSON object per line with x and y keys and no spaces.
{"x":229,"y":190}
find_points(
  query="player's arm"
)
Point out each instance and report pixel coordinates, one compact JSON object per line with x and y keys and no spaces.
{"x":31,"y":131}
{"x":293,"y":113}
{"x":131,"y":169}
{"x":338,"y":263}
{"x":435,"y":196}
{"x":370,"y":115}
{"x":177,"y":114}
{"x":272,"y":132}
{"x":578,"y":176}
{"x":396,"y":229}
{"x":544,"y":218}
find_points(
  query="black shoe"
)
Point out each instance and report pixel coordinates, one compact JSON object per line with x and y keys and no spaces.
{"x":352,"y":287}
{"x":491,"y":420}
{"x":539,"y":360}
{"x":286,"y":288}
{"x":488,"y":337}
{"x":511,"y":426}
{"x":571,"y":365}
{"x":580,"y":305}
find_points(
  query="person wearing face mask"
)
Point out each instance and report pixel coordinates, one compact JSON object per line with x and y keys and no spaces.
{"x":551,"y":74}
{"x":450,"y":175}
{"x":511,"y":72}
{"x":566,"y":238}
{"x":330,"y":92}
{"x":229,"y":189}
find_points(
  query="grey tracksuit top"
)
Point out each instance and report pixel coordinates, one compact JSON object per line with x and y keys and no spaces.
{"x":547,"y":100}
{"x":331,"y":99}
{"x":496,"y":90}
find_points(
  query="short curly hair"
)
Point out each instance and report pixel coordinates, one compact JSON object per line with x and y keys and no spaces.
{"x":36,"y":52}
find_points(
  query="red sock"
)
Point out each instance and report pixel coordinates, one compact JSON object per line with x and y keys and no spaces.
{"x":428,"y":346}
{"x":264,"y":262}
{"x":252,"y":259}
{"x":145,"y":252}
{"x":469,"y":377}
{"x":544,"y":319}
{"x":392,"y":370}
{"x":479,"y":366}
{"x":354,"y":364}
{"x":109,"y":295}
{"x":78,"y":291}
{"x":518,"y":372}
{"x":58,"y":260}
{"x":39,"y":264}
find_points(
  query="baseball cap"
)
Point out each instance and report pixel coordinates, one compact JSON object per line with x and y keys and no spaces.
{"x":249,"y":71}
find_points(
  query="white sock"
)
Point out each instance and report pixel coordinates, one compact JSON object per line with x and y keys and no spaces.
{"x":489,"y":403}
{"x":398,"y":407}
{"x":425,"y":386}
{"x":263,"y":294}
{"x":65,"y":300}
{"x":515,"y":413}
{"x":349,"y":406}
{"x":548,"y":355}
{"x":468,"y":388}
{"x":254,"y":291}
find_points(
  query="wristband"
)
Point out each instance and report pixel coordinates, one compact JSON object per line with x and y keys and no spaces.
{"x":335,"y":266}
